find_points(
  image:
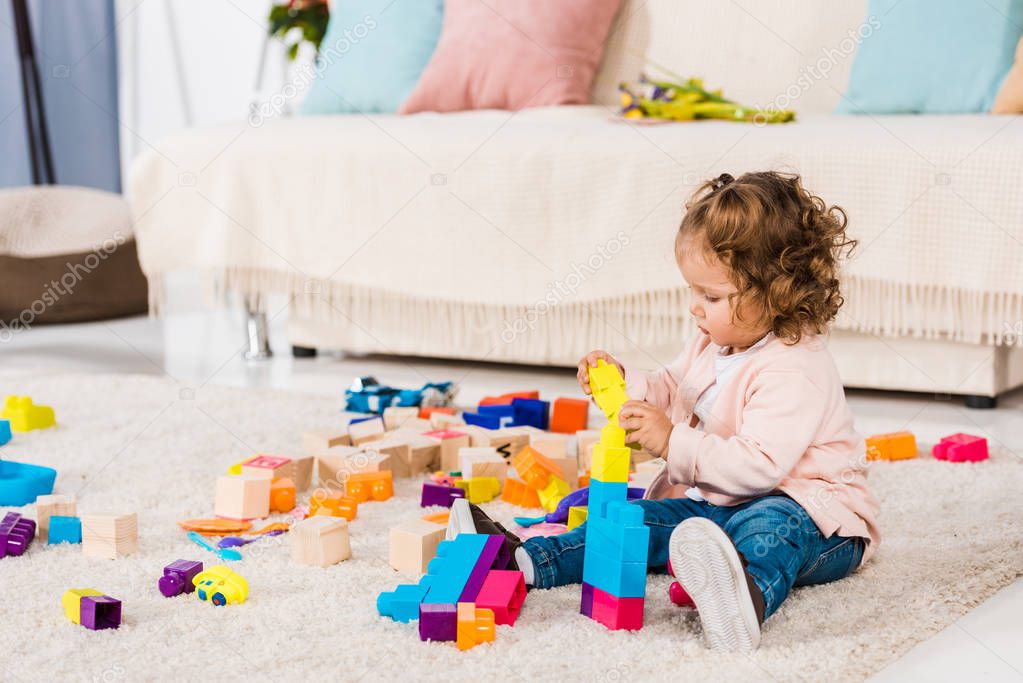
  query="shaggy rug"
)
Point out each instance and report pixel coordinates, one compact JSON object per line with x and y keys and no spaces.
{"x":124,"y":443}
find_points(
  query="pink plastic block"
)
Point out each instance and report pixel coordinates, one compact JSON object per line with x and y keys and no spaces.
{"x":961,"y":448}
{"x":677,"y":594}
{"x":617,"y":613}
{"x":503,"y":591}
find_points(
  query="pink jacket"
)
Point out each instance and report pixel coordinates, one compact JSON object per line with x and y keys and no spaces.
{"x":780,"y":425}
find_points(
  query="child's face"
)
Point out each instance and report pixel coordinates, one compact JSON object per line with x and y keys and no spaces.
{"x":710,"y":306}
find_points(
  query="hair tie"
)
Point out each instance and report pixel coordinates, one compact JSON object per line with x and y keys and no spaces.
{"x":722,"y":180}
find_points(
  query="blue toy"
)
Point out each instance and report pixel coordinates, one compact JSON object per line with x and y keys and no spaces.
{"x":366,"y":395}
{"x":578,"y":498}
{"x":5,"y":431}
{"x":21,"y":483}
{"x":530,"y":412}
{"x":65,"y":530}
{"x":482,"y":420}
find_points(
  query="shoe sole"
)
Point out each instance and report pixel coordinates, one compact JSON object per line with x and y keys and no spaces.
{"x":708,"y":567}
{"x":459,"y":520}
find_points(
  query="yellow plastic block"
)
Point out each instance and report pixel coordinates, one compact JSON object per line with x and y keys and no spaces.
{"x":612,"y":434}
{"x":891,"y":446}
{"x":475,"y":626}
{"x":72,"y":602}
{"x":610,"y":463}
{"x":608,"y":388}
{"x":480,"y":489}
{"x":235,"y":469}
{"x":576,"y":516}
{"x":550,"y":495}
{"x":25,"y":415}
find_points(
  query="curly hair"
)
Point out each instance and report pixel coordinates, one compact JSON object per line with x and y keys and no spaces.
{"x":780,"y":243}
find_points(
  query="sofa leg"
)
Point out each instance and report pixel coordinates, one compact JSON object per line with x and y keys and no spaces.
{"x":303,"y":352}
{"x":981,"y":402}
{"x":258,"y":334}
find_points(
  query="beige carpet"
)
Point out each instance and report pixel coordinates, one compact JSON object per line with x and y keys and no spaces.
{"x":952,"y":538}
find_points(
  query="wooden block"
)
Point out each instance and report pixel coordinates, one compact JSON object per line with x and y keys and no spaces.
{"x":365,"y":431}
{"x":424,"y":452}
{"x":273,"y":466}
{"x":397,"y":449}
{"x":395,"y":417}
{"x":551,"y":445}
{"x":243,"y":497}
{"x":482,"y":462}
{"x":584,"y":441}
{"x":569,"y":469}
{"x":50,"y":506}
{"x":440,"y":420}
{"x":304,"y":472}
{"x":113,"y":535}
{"x":450,"y":442}
{"x":331,"y":464}
{"x":413,"y":544}
{"x":507,"y":441}
{"x":417,"y":425}
{"x":320,"y":541}
{"x":321,"y":440}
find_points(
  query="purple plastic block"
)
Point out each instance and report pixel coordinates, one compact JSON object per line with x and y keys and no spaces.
{"x":16,"y":533}
{"x":177,"y":577}
{"x":586,"y":606}
{"x":438,"y":621}
{"x":100,"y":612}
{"x":487,"y":561}
{"x":439,"y":494}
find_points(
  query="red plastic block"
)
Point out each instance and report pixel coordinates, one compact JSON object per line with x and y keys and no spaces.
{"x":569,"y":415}
{"x":425,"y":411}
{"x":503,"y":592}
{"x":506,"y":399}
{"x":961,"y":448}
{"x":617,"y":613}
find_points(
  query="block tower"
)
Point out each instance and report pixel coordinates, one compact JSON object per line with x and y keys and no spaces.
{"x":617,"y":541}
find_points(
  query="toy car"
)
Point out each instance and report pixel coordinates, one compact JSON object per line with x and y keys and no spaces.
{"x":366,"y":395}
{"x":221,"y":586}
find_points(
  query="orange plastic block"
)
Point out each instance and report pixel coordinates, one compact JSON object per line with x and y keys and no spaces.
{"x":437,"y":517}
{"x":891,"y":446}
{"x":364,"y":486}
{"x":327,"y":502}
{"x":424,"y":412}
{"x":282,"y":495}
{"x":506,"y":399}
{"x":475,"y":626}
{"x":534,"y":468}
{"x":517,"y":493}
{"x":584,"y":480}
{"x":569,"y":415}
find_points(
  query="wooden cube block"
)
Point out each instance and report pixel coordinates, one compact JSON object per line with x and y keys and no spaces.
{"x":112,"y":535}
{"x":395,"y":417}
{"x":52,"y":506}
{"x":366,"y":430}
{"x":332,"y":464}
{"x":243,"y":497}
{"x":320,"y":541}
{"x":423,"y":453}
{"x":440,"y":420}
{"x":397,"y":449}
{"x":482,"y":462}
{"x":507,"y":441}
{"x":551,"y":445}
{"x":304,"y":472}
{"x":450,"y":442}
{"x":318,"y":441}
{"x":584,"y":446}
{"x":413,"y":544}
{"x":272,"y":466}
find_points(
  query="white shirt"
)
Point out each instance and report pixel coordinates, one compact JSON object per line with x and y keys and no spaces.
{"x":725,"y":366}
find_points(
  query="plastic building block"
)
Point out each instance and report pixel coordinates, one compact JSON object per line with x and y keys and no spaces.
{"x":584,"y":480}
{"x":623,"y":579}
{"x":99,"y":612}
{"x":5,"y":431}
{"x":552,"y":494}
{"x":426,"y":411}
{"x":220,"y":586}
{"x":48,"y":506}
{"x":71,"y":601}
{"x":402,"y":604}
{"x":677,"y":594}
{"x":607,"y":386}
{"x":480,"y":489}
{"x":495,"y":555}
{"x":533,"y":468}
{"x":437,"y":518}
{"x":364,"y":486}
{"x":245,"y":496}
{"x":586,"y":604}
{"x":25,"y":416}
{"x":530,"y":411}
{"x":506,"y":399}
{"x":622,"y":536}
{"x":177,"y":577}
{"x":961,"y":448}
{"x":64,"y":530}
{"x":320,"y":541}
{"x":602,"y":493}
{"x":282,"y":495}
{"x":569,"y":415}
{"x":438,"y":621}
{"x":503,"y":592}
{"x":891,"y":446}
{"x":110,"y":535}
{"x":413,"y":544}
{"x":517,"y":493}
{"x":445,"y":478}
{"x":439,"y":494}
{"x":505,"y":411}
{"x":329,"y":503}
{"x":453,"y":565}
{"x":610,"y":463}
{"x":16,"y":533}
{"x":21,"y":483}
{"x":272,"y":466}
{"x":475,"y":626}
{"x":617,"y":613}
{"x":576,"y":516}
{"x":485,"y":420}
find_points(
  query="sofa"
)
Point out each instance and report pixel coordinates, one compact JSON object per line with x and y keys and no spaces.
{"x":535,"y":236}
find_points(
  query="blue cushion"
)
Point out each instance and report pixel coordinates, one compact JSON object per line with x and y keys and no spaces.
{"x":932,"y":56}
{"x":373,"y":54}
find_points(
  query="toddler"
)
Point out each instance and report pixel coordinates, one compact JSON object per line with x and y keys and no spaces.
{"x":764,"y":484}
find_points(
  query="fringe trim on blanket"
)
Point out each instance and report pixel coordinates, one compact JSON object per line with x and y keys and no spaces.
{"x":644,"y":319}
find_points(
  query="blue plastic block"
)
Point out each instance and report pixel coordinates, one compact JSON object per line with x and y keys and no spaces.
{"x":21,"y":483}
{"x":602,"y":493}
{"x":357,"y":420}
{"x":506,"y":412}
{"x":530,"y":412}
{"x":620,"y":579}
{"x":402,"y":604}
{"x":482,"y":420}
{"x":452,"y":567}
{"x":621,"y":543}
{"x":65,"y":530}
{"x":5,"y":431}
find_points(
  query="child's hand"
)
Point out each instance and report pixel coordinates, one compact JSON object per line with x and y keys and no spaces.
{"x":647,"y":425}
{"x":590,"y":361}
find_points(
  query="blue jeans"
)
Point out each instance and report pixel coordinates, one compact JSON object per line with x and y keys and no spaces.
{"x":782,"y":545}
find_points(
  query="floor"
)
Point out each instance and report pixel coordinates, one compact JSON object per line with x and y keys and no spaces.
{"x":196,"y":346}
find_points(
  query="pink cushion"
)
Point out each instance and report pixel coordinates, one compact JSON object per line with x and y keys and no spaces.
{"x":512,"y":54}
